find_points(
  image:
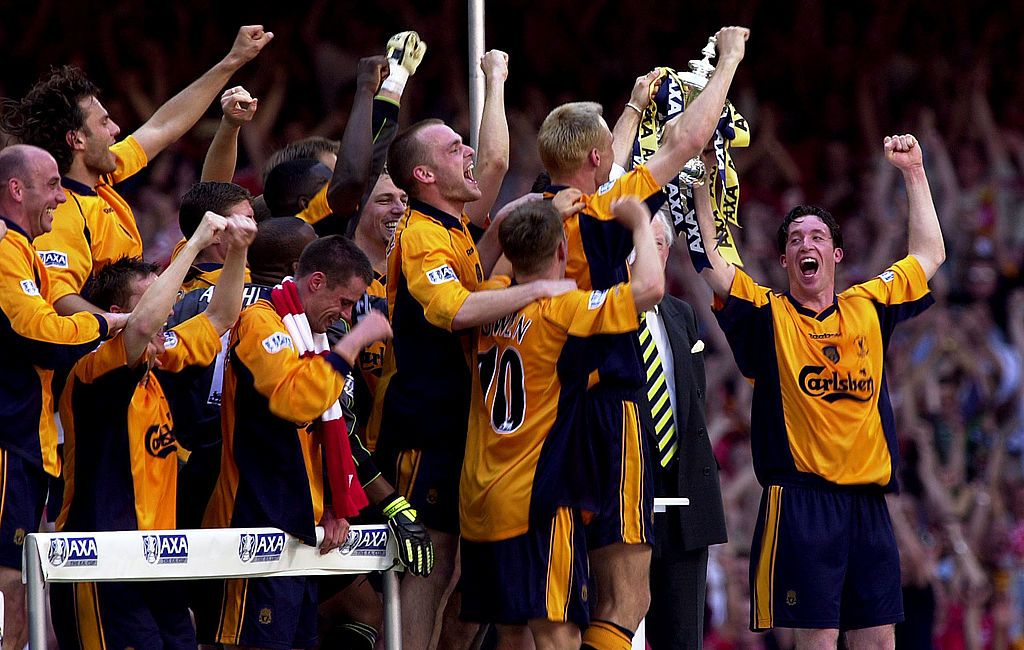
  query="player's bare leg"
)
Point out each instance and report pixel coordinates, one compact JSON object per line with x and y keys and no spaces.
{"x":422,"y":596}
{"x":548,"y":635}
{"x":881,"y":637}
{"x":620,"y":573}
{"x":15,"y":616}
{"x":816,"y":639}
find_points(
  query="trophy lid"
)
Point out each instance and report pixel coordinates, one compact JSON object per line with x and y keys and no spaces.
{"x":701,"y":70}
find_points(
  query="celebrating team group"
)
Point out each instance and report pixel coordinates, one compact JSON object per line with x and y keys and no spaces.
{"x":374,"y":340}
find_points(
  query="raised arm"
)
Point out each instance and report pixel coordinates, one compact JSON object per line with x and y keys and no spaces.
{"x":647,"y":277}
{"x":151,"y":313}
{"x":182,"y":111}
{"x":227,"y":299}
{"x":624,"y":132}
{"x":686,"y":133}
{"x":238,"y":107}
{"x":352,"y":171}
{"x":721,"y":273}
{"x":924,"y":234}
{"x":492,"y":158}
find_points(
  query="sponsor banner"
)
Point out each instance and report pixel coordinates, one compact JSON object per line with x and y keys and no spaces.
{"x":210,"y":553}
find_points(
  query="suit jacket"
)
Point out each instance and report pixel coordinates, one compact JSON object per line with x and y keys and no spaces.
{"x":695,"y":470}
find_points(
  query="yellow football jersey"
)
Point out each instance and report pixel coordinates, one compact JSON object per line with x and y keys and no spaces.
{"x":533,"y":367}
{"x":120,"y":450}
{"x":422,"y":398}
{"x":36,"y":341}
{"x":94,"y":227}
{"x":821,"y":409}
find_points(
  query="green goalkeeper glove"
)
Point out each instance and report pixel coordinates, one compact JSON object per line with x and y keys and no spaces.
{"x":414,"y":547}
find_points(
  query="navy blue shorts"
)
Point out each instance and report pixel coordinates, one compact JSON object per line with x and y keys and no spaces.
{"x":541,"y":574}
{"x":823,"y":559}
{"x":429,"y":479}
{"x":23,"y":489}
{"x":121,"y":615}
{"x":626,"y":511}
{"x":277,"y":613}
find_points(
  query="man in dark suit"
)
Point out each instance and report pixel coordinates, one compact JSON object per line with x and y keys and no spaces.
{"x":684,"y":467}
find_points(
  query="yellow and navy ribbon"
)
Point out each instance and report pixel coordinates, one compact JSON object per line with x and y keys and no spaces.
{"x":732,"y":131}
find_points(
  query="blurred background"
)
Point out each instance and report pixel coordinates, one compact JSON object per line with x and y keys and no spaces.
{"x":821,"y":85}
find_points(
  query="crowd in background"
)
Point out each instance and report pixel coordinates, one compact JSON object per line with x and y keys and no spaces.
{"x":821,"y":85}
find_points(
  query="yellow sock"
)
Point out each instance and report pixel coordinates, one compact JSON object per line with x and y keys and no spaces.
{"x":603,"y":635}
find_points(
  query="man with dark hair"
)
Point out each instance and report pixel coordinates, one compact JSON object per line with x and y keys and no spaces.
{"x":576,"y":147}
{"x":272,"y":381}
{"x":421,"y":409}
{"x":63,"y":114}
{"x":524,"y":557}
{"x":323,"y":150}
{"x":227,"y":199}
{"x":824,"y":559}
{"x":36,"y":341}
{"x":121,"y":464}
{"x":293,"y":184}
{"x":798,"y":213}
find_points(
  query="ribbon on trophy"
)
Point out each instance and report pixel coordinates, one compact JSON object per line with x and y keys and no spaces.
{"x":732,"y":131}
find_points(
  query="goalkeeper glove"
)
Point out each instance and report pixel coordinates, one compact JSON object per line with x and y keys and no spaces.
{"x":405,"y":51}
{"x":414,"y":547}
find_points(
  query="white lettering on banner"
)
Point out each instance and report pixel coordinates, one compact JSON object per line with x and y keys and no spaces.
{"x":441,"y":274}
{"x":260,"y":547}
{"x":165,"y":549}
{"x":54,"y":259}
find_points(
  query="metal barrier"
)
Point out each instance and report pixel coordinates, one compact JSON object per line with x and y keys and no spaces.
{"x":146,"y":555}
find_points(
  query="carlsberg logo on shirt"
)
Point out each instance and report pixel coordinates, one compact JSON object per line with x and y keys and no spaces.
{"x":832,"y":386}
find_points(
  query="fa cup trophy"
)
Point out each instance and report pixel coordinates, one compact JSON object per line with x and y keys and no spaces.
{"x":693,"y":82}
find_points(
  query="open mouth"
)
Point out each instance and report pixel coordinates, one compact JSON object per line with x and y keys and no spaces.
{"x":469,"y":174}
{"x":390,"y":225}
{"x":808,"y":266}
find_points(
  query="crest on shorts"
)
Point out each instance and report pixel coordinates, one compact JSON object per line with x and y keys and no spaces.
{"x":266,"y":616}
{"x":791,"y":598}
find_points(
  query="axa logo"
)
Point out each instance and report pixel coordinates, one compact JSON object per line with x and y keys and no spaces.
{"x":365,"y":543}
{"x":73,"y":551}
{"x":165,"y":549}
{"x":260,"y":547}
{"x":160,"y":441}
{"x":832,"y":387}
{"x":54,"y":259}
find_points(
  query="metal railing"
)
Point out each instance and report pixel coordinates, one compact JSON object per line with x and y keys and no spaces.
{"x":147,"y":555}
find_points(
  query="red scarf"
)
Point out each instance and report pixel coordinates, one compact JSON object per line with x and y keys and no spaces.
{"x":347,"y":494}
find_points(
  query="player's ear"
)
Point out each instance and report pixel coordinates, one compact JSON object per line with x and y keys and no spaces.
{"x":74,"y":139}
{"x":317,"y":280}
{"x":562,"y":252}
{"x":838,"y":255}
{"x":423,"y":174}
{"x":782,"y":260}
{"x":594,"y":157}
